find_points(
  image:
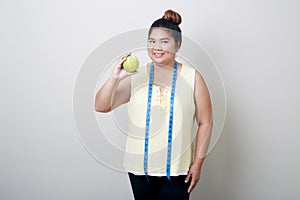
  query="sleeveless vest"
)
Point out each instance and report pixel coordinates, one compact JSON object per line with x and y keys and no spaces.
{"x":183,"y":121}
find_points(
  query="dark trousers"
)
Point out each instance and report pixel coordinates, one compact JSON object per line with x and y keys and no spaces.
{"x":159,"y":188}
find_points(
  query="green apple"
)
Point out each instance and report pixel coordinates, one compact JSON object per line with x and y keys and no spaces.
{"x":131,"y":63}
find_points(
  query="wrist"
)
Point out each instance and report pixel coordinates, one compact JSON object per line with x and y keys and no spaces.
{"x":114,"y":79}
{"x":199,"y":161}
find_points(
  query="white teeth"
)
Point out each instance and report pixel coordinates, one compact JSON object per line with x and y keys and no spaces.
{"x":158,"y":54}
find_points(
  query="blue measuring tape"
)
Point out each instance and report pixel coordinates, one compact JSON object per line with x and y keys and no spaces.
{"x":168,"y":166}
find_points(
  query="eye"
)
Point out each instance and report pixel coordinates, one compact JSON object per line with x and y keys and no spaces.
{"x":151,"y":41}
{"x":165,"y":41}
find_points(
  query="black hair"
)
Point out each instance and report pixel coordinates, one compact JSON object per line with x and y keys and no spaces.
{"x":169,"y":21}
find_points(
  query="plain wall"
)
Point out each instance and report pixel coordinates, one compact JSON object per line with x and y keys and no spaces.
{"x":43,"y":44}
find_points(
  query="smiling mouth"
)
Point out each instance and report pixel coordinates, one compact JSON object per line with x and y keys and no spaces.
{"x":158,"y":55}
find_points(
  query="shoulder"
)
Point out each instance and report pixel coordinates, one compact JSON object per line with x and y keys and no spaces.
{"x":195,"y":79}
{"x":188,"y":73}
{"x":187,"y":67}
{"x":198,"y":77}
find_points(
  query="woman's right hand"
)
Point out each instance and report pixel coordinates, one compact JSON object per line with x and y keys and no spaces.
{"x":119,"y":72}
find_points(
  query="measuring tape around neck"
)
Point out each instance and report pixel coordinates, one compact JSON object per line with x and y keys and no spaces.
{"x":168,"y":164}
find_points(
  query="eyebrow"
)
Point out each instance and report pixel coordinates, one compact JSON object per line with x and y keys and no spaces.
{"x":159,"y":39}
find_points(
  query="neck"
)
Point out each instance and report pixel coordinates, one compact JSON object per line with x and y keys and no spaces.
{"x":166,"y":65}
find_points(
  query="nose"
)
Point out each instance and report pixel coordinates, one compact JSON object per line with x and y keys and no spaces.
{"x":157,"y":46}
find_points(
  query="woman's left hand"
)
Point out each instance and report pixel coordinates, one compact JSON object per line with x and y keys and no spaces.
{"x":194,"y":174}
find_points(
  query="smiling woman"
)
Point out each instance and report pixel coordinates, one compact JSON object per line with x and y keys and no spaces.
{"x":162,"y":47}
{"x":164,"y":99}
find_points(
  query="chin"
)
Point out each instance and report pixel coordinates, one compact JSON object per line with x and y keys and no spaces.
{"x":160,"y":60}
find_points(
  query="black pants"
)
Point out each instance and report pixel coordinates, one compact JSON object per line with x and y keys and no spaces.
{"x":159,"y":188}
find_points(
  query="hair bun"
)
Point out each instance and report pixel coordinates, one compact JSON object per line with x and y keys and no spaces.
{"x":172,"y":16}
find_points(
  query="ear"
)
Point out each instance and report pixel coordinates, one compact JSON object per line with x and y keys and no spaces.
{"x":178,"y":46}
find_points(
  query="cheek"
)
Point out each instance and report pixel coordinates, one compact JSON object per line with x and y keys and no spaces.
{"x":170,"y":48}
{"x":149,"y":50}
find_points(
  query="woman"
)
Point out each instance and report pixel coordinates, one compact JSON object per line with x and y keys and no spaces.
{"x":164,"y":98}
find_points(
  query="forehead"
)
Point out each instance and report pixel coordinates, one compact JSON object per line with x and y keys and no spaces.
{"x":158,"y":33}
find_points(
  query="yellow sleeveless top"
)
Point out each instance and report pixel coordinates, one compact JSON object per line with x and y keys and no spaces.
{"x":183,"y":120}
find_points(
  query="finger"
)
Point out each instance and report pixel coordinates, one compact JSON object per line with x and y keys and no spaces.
{"x":192,"y":185}
{"x":125,"y":55}
{"x":188,"y":177}
{"x":133,"y":73}
{"x":121,"y":60}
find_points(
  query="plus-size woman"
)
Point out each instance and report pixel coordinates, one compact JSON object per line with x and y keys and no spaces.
{"x":163,"y":156}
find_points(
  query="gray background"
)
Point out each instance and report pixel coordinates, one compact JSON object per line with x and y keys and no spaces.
{"x":43,"y":44}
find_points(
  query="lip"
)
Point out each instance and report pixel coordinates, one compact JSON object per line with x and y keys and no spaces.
{"x":157,"y":55}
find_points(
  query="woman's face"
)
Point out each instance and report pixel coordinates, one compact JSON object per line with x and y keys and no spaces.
{"x":162,"y":47}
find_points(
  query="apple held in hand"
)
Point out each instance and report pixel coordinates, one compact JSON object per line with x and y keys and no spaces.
{"x":131,"y":63}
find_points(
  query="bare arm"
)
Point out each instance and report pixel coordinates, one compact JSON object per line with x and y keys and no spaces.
{"x":116,"y":90}
{"x":204,"y":121}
